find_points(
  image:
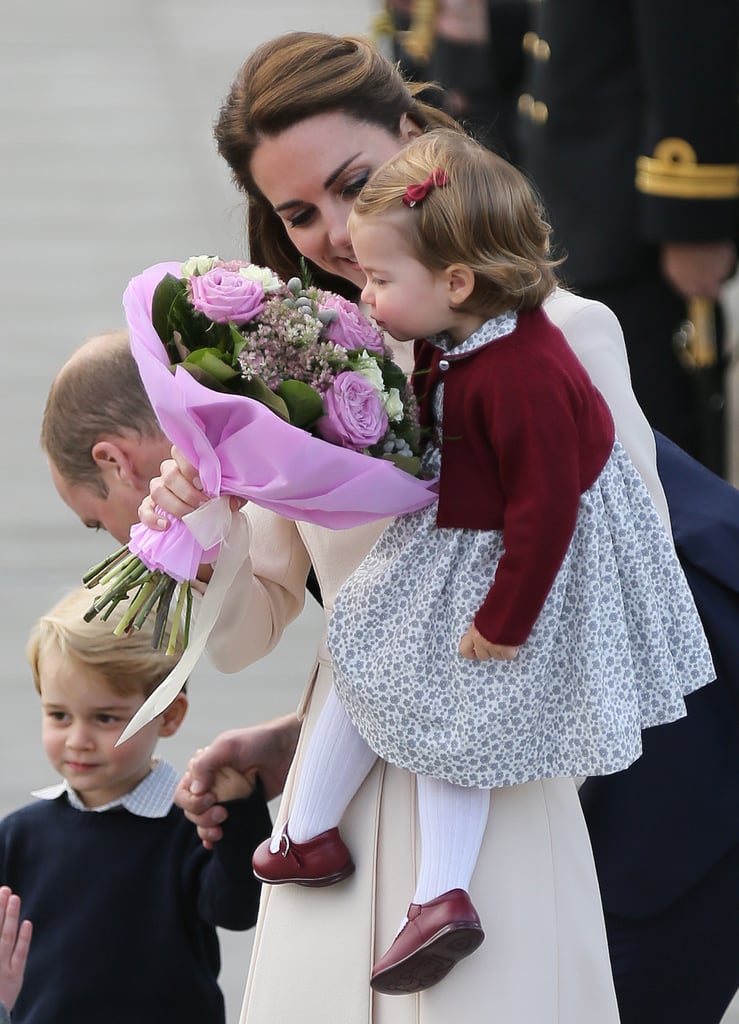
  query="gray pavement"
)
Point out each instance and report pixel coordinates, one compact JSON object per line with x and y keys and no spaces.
{"x":107,"y":166}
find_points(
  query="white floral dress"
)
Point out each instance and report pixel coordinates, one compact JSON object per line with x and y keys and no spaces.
{"x":616,"y":646}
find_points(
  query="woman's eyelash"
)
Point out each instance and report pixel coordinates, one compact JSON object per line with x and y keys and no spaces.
{"x":300,"y":218}
{"x":356,"y":185}
{"x":350,"y":189}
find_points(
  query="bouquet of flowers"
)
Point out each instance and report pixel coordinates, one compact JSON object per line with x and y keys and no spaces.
{"x":280,"y":393}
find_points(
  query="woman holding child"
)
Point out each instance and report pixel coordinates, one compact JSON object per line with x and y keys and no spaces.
{"x":308,"y":120}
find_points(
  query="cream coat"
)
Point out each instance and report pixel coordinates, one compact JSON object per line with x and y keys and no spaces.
{"x":544,"y":960}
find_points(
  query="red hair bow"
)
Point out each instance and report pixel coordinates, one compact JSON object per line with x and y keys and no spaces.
{"x":415,"y":193}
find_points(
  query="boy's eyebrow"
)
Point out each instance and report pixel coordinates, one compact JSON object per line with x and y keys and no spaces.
{"x":50,"y":705}
{"x":326,"y":185}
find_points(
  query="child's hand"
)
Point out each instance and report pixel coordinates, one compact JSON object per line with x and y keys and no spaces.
{"x":15,"y":939}
{"x":224,"y":783}
{"x":229,"y":784}
{"x":228,"y":767}
{"x":473,"y":645}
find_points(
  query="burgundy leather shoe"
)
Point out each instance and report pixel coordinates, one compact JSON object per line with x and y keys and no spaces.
{"x":323,"y":860}
{"x":438,"y":935}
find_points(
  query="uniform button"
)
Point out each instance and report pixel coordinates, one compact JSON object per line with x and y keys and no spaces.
{"x":529,"y":42}
{"x":525,"y":103}
{"x":539,"y":112}
{"x":542,"y":50}
{"x":443,"y":365}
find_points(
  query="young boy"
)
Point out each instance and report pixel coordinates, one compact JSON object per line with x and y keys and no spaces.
{"x":123,"y":896}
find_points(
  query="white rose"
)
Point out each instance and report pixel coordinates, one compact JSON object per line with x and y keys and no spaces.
{"x":394,"y":406}
{"x":370,"y":369}
{"x":266,"y":277}
{"x":196,"y":266}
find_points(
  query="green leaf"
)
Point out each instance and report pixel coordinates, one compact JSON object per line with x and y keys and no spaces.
{"x":191,"y":325}
{"x":200,"y":375}
{"x":161,"y":305}
{"x":219,"y":336}
{"x":237,"y":341}
{"x":305,"y":273}
{"x":209,"y":359}
{"x":410,"y":464}
{"x":258,"y":390}
{"x":303,"y":402}
{"x":393,"y":376}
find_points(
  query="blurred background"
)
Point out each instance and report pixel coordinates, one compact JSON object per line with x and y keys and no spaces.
{"x":108,"y":166}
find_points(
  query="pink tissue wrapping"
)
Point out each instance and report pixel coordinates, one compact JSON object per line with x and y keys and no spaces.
{"x":240,"y":447}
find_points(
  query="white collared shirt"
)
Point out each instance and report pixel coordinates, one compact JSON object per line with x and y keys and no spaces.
{"x":152,"y":798}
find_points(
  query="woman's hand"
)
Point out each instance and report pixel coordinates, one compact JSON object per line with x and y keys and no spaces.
{"x":15,"y":940}
{"x":177,"y":490}
{"x":473,"y":645}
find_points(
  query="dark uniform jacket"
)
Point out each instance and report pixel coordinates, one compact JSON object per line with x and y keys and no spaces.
{"x":658,"y":828}
{"x":630,"y":126}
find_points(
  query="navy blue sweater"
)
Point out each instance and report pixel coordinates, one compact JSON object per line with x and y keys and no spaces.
{"x":124,"y":910}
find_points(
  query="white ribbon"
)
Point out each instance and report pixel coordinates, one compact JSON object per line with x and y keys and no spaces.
{"x":211,"y":524}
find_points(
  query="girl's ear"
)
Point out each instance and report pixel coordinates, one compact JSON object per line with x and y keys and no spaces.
{"x":460,"y":281}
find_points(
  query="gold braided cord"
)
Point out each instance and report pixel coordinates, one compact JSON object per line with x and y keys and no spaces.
{"x":418,"y":41}
{"x":382,"y":24}
{"x":674,"y":172}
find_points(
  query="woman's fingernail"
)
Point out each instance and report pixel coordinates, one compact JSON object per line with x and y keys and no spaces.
{"x":196,"y":483}
{"x":162,"y":524}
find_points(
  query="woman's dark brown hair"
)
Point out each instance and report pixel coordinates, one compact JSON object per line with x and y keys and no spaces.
{"x":294,"y":77}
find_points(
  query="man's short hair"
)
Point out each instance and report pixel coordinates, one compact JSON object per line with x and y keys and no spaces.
{"x":97,"y":393}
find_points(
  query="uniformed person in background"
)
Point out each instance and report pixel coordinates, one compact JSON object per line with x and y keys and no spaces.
{"x":631,"y":133}
{"x":472,"y":49}
{"x":632,"y":136}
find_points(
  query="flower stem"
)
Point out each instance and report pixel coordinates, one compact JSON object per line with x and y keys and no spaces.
{"x":117,"y":571}
{"x":121,"y":588}
{"x":130,"y":613}
{"x":91,"y":576}
{"x":188,"y":616}
{"x":160,"y":623}
{"x":171,"y":646}
{"x":162,"y":582}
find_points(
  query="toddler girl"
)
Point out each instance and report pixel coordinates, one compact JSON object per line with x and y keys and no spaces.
{"x":537,"y":619}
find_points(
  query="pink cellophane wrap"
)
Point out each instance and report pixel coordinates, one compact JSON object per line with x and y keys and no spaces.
{"x":240,"y":447}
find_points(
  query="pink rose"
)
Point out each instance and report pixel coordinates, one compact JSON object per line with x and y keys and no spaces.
{"x":355,"y":417}
{"x":224,"y":295}
{"x":351,"y":329}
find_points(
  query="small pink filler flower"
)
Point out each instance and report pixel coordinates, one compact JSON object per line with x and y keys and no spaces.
{"x":224,"y":295}
{"x":355,"y":417}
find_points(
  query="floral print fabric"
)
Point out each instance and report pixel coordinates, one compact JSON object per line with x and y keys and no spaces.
{"x":615,"y":649}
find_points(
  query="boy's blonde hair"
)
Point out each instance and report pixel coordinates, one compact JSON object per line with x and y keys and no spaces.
{"x":129,"y":664}
{"x":487,"y":217}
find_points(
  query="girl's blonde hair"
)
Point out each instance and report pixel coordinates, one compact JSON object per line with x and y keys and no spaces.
{"x":487,"y":217}
{"x":129,"y":664}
